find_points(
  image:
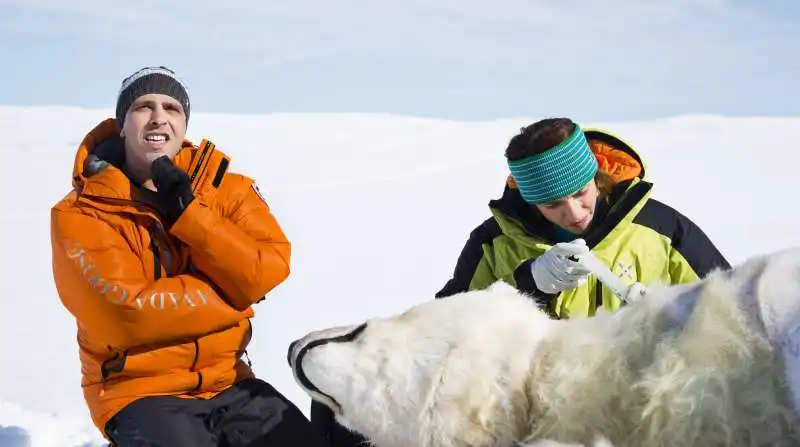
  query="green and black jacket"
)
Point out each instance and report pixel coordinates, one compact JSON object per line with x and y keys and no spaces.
{"x":638,"y":237}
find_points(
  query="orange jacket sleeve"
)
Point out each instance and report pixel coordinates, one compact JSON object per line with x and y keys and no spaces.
{"x":101,"y":282}
{"x":244,"y":252}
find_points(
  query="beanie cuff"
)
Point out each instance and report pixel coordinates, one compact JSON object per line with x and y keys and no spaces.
{"x":150,"y":80}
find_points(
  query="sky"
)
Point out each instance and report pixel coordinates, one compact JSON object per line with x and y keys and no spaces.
{"x":273,"y":83}
{"x":367,"y":240}
{"x":464,"y":60}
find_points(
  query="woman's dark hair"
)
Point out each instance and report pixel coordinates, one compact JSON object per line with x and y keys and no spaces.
{"x":545,"y":134}
{"x":539,"y":137}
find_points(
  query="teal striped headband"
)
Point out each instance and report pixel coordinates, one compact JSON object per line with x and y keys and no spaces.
{"x":557,"y":172}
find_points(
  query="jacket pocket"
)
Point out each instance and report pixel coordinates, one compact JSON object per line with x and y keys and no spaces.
{"x":151,"y":361}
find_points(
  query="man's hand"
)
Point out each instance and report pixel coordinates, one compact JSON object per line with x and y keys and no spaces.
{"x":558,"y":269}
{"x":173,"y":187}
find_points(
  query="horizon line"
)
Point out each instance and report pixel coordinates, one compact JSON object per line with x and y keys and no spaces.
{"x":681,"y":117}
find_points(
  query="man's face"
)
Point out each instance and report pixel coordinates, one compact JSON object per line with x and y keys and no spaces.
{"x":154,"y":125}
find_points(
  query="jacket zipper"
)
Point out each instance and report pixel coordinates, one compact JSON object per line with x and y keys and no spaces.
{"x":194,"y":365}
{"x":207,"y":149}
{"x":156,"y":258}
{"x":169,"y":248}
{"x":158,"y":234}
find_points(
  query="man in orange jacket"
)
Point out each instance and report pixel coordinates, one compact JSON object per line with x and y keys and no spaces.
{"x":160,"y":253}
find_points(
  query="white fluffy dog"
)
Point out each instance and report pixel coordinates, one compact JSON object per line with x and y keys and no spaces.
{"x":714,"y":363}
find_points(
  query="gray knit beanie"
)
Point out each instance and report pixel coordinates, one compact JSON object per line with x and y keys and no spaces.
{"x":150,"y":80}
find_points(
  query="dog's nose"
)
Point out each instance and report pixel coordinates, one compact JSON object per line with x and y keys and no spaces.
{"x":289,"y":352}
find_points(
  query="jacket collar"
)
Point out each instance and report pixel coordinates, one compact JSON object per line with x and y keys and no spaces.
{"x":97,"y":170}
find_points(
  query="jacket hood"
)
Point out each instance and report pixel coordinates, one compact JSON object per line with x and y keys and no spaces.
{"x":89,"y":162}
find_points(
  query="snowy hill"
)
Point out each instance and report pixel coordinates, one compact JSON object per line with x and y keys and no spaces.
{"x":377,"y":208}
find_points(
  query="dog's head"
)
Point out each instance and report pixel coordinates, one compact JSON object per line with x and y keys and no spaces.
{"x":392,"y":378}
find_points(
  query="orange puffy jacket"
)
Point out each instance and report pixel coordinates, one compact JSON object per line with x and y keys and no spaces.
{"x":162,"y":311}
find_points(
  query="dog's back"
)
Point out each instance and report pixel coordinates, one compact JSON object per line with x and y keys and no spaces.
{"x":708,"y":375}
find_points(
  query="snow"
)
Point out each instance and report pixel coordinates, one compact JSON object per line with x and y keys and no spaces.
{"x":377,"y":207}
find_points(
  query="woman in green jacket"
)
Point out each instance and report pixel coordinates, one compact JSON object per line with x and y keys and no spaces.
{"x":572,"y":190}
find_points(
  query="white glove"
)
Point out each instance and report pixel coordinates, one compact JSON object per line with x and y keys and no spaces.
{"x":636,"y":292}
{"x":554,"y":271}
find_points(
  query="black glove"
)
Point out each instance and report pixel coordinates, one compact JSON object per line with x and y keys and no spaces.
{"x":523,"y":276}
{"x":174,"y":188}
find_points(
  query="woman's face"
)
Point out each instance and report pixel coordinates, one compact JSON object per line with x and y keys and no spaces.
{"x":574,"y":213}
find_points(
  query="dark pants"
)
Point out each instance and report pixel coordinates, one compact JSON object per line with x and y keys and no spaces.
{"x":249,"y":414}
{"x":337,"y":435}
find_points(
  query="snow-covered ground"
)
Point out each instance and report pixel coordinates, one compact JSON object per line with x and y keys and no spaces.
{"x":377,"y":207}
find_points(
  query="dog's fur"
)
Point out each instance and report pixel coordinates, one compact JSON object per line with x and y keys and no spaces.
{"x":702,"y":364}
